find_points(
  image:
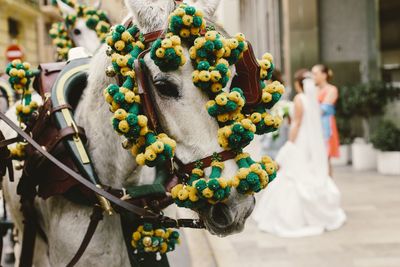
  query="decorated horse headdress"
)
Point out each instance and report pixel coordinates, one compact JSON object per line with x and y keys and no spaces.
{"x":213,"y":56}
{"x":63,"y":32}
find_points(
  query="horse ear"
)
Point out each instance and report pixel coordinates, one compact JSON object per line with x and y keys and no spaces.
{"x":65,"y":9}
{"x":150,"y":15}
{"x":208,"y":6}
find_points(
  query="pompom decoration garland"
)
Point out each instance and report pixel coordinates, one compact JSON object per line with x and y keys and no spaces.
{"x":212,"y":56}
{"x":147,"y":239}
{"x":96,"y":20}
{"x":20,"y":79}
{"x":125,"y":45}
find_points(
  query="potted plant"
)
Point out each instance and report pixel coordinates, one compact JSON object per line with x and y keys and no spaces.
{"x":386,"y":139}
{"x":344,"y":111}
{"x":366,"y":101}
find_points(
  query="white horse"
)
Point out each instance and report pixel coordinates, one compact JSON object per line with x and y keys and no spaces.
{"x":81,"y":34}
{"x":183,"y":117}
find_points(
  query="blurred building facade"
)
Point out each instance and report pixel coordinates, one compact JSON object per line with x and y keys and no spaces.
{"x":26,"y":23}
{"x":358,"y":39}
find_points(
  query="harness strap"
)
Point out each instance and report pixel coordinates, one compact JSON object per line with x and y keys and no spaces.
{"x":206,"y":162}
{"x":63,"y":133}
{"x":61,"y":107}
{"x":95,"y":218}
{"x":76,"y":176}
{"x":7,"y":142}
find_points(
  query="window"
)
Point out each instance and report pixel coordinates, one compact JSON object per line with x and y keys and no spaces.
{"x":13,"y":28}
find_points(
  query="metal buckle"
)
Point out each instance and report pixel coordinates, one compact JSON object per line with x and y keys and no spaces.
{"x":104,"y":203}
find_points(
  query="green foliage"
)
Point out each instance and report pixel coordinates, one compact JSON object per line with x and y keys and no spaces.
{"x":386,"y":137}
{"x":366,"y":100}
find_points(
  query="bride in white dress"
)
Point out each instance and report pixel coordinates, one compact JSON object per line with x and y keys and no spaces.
{"x":303,"y":200}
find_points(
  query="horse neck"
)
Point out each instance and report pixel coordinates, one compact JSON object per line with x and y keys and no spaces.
{"x":114,"y":165}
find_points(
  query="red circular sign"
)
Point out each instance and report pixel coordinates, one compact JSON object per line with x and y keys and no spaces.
{"x":14,"y":52}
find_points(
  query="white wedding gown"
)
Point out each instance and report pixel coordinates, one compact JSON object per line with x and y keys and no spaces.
{"x":303,"y":200}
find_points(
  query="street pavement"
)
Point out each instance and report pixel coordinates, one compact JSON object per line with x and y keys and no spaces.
{"x":370,"y":237}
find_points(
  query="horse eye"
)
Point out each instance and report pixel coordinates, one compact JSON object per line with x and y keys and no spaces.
{"x":77,"y":31}
{"x":167,"y":88}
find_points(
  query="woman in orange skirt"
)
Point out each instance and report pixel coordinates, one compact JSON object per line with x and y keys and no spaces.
{"x":327,"y":96}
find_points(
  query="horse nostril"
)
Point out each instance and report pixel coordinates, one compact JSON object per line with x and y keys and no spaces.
{"x":221,"y":215}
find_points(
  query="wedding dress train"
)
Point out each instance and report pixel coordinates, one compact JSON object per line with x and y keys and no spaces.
{"x":303,"y":200}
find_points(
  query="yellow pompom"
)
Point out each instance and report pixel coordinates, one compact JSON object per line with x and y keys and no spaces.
{"x":193,"y":53}
{"x":136,"y":236}
{"x":142,"y":120}
{"x":233,"y":43}
{"x":120,"y":114}
{"x":179,"y":12}
{"x":215,"y":76}
{"x":15,"y":62}
{"x":160,"y":52}
{"x":13,"y":72}
{"x":183,"y":194}
{"x":184,"y":33}
{"x":194,"y":31}
{"x":256,"y":117}
{"x":223,"y":182}
{"x":198,"y":172}
{"x":234,"y":96}
{"x":204,"y":76}
{"x":193,"y":197}
{"x":126,"y":37}
{"x":223,"y":117}
{"x":268,"y":57}
{"x":123,"y":126}
{"x":175,"y":40}
{"x":199,"y":42}
{"x":26,"y":65}
{"x":166,"y":43}
{"x":175,"y":190}
{"x":178,"y":50}
{"x":120,"y":45}
{"x":221,"y":99}
{"x":243,"y":173}
{"x":21,"y":73}
{"x":187,"y":20}
{"x":26,"y":109}
{"x":228,"y":51}
{"x":220,"y":53}
{"x":19,"y":107}
{"x":269,"y":120}
{"x":158,"y":147}
{"x":207,"y":193}
{"x":266,"y":97}
{"x":144,"y":131}
{"x":248,"y":124}
{"x":216,"y":87}
{"x":159,"y":232}
{"x":240,"y":37}
{"x":130,"y":97}
{"x":211,"y":35}
{"x":140,"y":45}
{"x":150,"y":154}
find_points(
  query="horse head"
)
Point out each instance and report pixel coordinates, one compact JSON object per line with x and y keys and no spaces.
{"x":79,"y":31}
{"x":180,"y":106}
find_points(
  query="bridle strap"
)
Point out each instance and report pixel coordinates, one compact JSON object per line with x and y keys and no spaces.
{"x":205,"y":162}
{"x":95,"y":218}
